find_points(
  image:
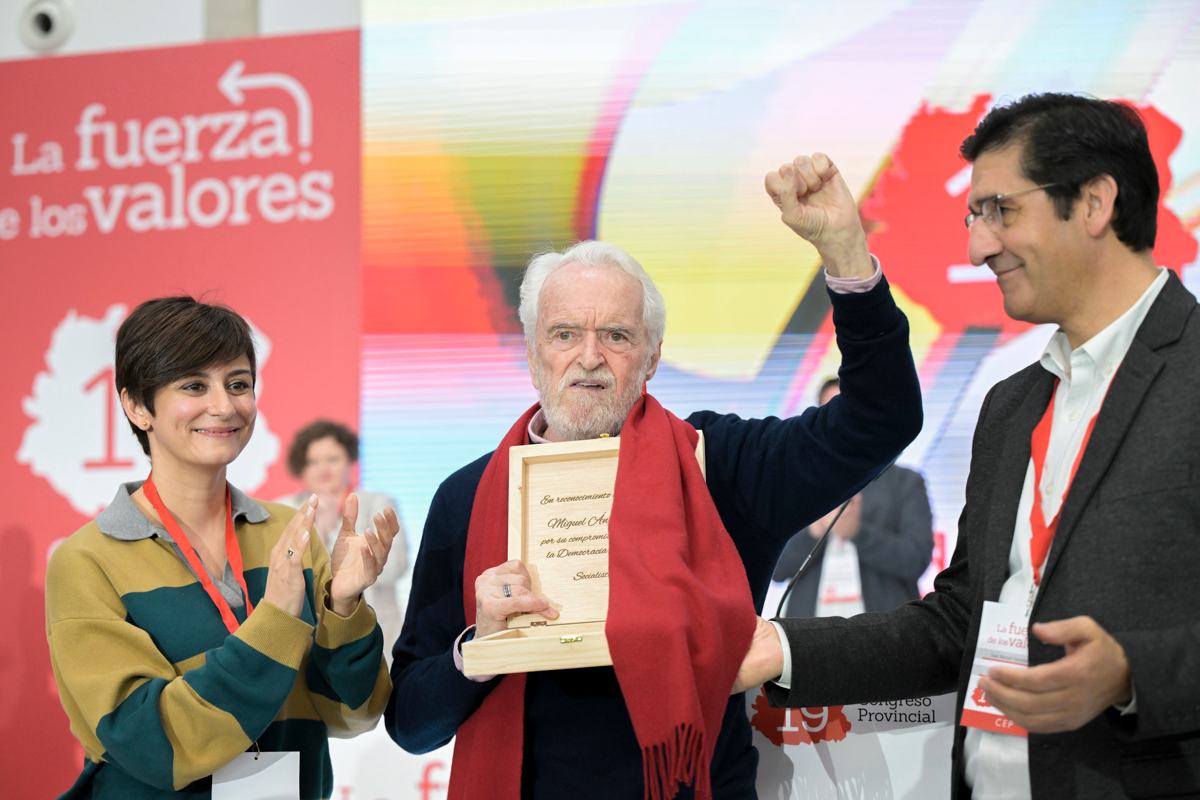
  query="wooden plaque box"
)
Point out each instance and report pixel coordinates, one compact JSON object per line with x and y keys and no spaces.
{"x":560,"y":497}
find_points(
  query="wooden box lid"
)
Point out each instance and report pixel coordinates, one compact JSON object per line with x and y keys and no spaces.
{"x":560,"y":499}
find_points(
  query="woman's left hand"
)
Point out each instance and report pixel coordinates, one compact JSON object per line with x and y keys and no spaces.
{"x":358,"y":560}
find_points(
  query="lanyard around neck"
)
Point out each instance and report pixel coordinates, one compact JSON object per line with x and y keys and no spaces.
{"x":232,"y":552}
{"x":1043,"y":532}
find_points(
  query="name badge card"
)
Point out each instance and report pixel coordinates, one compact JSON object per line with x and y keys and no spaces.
{"x":258,"y":776}
{"x":1003,"y":642}
{"x":839,"y":592}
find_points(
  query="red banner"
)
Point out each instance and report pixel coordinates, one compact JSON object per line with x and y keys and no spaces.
{"x":228,"y":171}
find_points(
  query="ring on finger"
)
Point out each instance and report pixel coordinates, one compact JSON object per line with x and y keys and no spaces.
{"x":506,"y":590}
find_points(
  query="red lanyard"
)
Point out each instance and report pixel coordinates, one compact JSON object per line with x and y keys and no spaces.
{"x":1043,"y":532}
{"x":232,"y":552}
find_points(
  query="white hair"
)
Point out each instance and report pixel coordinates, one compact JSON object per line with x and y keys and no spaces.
{"x":590,"y":253}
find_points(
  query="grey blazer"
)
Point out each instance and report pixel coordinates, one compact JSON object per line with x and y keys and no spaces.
{"x":894,"y":544}
{"x":1127,"y":553}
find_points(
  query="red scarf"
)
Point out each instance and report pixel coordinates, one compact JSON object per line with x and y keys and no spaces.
{"x":680,"y":614}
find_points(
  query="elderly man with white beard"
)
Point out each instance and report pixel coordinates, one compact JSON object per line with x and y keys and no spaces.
{"x":690,"y":554}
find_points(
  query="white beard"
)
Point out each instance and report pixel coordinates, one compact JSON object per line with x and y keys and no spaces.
{"x":585,"y":417}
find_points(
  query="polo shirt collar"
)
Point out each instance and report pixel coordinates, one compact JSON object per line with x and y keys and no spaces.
{"x":123,"y":520}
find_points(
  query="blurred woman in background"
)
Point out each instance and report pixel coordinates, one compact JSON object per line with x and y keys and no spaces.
{"x":322,"y":456}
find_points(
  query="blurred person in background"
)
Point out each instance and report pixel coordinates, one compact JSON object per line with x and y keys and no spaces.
{"x":323,"y":456}
{"x":876,"y":552}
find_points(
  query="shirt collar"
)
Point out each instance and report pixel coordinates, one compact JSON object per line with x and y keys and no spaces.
{"x":537,"y":427}
{"x":1108,"y":347}
{"x":123,"y":520}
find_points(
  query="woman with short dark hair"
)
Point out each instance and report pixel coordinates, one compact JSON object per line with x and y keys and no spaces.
{"x":189,"y":624}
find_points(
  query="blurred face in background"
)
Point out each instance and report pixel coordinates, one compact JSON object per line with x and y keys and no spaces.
{"x":327,"y":467}
{"x":828,"y":393}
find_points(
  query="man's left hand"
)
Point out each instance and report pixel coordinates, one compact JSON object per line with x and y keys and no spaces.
{"x":1066,"y":694}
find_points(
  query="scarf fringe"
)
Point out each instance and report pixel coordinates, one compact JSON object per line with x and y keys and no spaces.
{"x":668,"y":764}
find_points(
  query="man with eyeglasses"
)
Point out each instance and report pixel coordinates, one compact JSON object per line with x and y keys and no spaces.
{"x":1082,"y":509}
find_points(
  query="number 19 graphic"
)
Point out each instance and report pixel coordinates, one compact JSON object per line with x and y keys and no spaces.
{"x":113,"y":415}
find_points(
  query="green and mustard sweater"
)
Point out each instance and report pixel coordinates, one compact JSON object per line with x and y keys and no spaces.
{"x":161,"y":695}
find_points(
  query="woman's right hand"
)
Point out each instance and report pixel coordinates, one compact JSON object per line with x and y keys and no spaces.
{"x":501,"y":592}
{"x":285,"y":573}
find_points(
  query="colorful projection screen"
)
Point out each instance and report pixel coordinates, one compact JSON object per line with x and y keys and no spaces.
{"x":488,"y":138}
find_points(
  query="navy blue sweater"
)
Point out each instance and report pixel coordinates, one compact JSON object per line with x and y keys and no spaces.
{"x":768,"y":477}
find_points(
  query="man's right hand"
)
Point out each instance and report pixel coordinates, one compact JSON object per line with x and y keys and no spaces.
{"x":817,"y":204}
{"x":494,"y":604}
{"x":763,"y":661}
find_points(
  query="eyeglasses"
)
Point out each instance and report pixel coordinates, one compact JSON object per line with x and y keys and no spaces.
{"x":990,"y":210}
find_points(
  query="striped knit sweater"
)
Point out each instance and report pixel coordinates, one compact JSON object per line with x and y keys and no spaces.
{"x":161,"y":695}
